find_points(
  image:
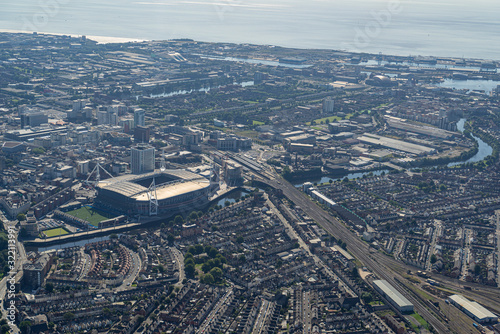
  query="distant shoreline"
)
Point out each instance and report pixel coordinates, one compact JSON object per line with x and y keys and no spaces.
{"x":110,"y":40}
{"x":98,"y":39}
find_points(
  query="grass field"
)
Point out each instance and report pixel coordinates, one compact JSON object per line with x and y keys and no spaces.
{"x":55,"y":232}
{"x":91,"y":215}
{"x":420,"y":320}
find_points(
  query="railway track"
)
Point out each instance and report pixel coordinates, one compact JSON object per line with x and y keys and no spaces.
{"x":359,"y":249}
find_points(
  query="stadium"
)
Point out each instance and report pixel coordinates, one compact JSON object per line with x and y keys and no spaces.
{"x":157,"y":193}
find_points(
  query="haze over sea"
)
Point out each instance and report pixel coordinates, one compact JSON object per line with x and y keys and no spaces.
{"x":454,"y":28}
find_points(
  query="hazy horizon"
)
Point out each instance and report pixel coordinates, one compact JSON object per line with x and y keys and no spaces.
{"x":453,"y":29}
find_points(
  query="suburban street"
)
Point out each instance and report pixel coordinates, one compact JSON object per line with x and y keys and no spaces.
{"x":378,"y":263}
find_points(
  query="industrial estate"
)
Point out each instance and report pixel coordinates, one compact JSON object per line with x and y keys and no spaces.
{"x":188,"y":187}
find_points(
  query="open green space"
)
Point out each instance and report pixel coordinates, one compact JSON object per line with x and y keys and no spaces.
{"x":324,"y":119}
{"x":421,"y":321}
{"x":54,"y":232}
{"x":338,"y":118}
{"x":258,"y":123}
{"x":91,"y":215}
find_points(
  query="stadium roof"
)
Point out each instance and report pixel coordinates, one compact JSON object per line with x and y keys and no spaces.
{"x":175,"y":173}
{"x":175,"y":189}
{"x":125,"y":188}
{"x":183,"y":182}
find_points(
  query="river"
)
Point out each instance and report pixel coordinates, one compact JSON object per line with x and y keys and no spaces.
{"x":79,"y":243}
{"x":351,"y":176}
{"x":204,"y":89}
{"x":479,"y":85}
{"x":484,"y":150}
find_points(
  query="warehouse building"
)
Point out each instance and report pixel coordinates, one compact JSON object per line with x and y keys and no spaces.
{"x":393,"y":296}
{"x":473,"y":309}
{"x":376,"y":140}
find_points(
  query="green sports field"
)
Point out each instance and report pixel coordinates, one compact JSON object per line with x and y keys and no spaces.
{"x":55,"y":232}
{"x":91,"y":215}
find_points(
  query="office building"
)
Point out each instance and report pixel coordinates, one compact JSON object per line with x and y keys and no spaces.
{"x":142,"y":159}
{"x":35,"y":272}
{"x":33,"y":119}
{"x":141,"y":134}
{"x":328,"y":105}
{"x":139,"y":115}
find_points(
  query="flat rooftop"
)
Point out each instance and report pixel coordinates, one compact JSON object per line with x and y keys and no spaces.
{"x":396,"y":144}
{"x":392,"y":293}
{"x":477,"y":310}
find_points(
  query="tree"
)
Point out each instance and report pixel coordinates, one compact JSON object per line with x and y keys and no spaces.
{"x":189,"y":260}
{"x":21,"y":217}
{"x":49,"y":287}
{"x":208,"y":279}
{"x":199,"y":249}
{"x":206,"y":267}
{"x":68,"y":316}
{"x":367,"y":297}
{"x":178,"y":220}
{"x":5,"y":328}
{"x":433,"y":258}
{"x":189,"y":269}
{"x":240,"y":239}
{"x":170,"y":238}
{"x":355,"y":272}
{"x":477,"y":269}
{"x":286,"y":173}
{"x":222,"y":260}
{"x":25,"y":326}
{"x":23,"y":233}
{"x":113,"y":236}
{"x":193,"y":216}
{"x":216,"y":273}
{"x":212,"y":252}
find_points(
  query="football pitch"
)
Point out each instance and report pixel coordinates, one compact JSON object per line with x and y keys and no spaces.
{"x":91,"y":215}
{"x":55,"y":232}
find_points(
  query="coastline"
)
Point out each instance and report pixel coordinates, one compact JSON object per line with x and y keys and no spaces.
{"x":98,"y":39}
{"x":111,"y":40}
